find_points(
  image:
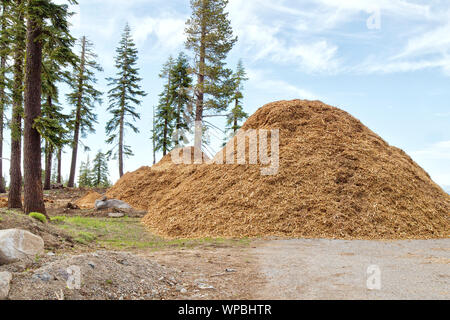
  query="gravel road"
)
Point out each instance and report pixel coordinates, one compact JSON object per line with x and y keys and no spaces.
{"x":336,"y":269}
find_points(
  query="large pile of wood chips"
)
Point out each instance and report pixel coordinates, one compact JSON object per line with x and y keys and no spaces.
{"x":337,"y":179}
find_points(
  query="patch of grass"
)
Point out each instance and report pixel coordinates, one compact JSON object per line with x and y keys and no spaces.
{"x":85,"y":237}
{"x":129,"y":233}
{"x":11,"y":211}
{"x":38,"y":216}
{"x":58,"y":219}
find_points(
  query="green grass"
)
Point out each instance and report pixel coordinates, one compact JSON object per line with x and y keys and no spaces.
{"x":128,"y":233}
{"x":85,"y":237}
{"x":38,"y":216}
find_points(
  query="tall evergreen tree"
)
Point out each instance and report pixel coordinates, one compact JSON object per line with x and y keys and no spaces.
{"x":18,"y":35}
{"x":43,"y":18}
{"x":57,"y":56}
{"x":237,"y":112}
{"x":84,"y":98}
{"x":124,"y":96}
{"x":85,"y":177}
{"x":210,"y":37}
{"x":165,"y":112}
{"x":181,"y":97}
{"x":5,"y":21}
{"x":100,"y":171}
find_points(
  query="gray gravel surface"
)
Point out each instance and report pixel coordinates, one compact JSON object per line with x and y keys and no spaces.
{"x":336,"y":269}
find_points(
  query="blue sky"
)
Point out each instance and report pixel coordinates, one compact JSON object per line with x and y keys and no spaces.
{"x":387,"y":62}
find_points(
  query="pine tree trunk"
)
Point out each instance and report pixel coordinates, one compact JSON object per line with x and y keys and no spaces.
{"x":76,"y":135}
{"x":121,"y":144}
{"x":2,"y":116}
{"x":48,"y":166}
{"x":153,"y":138}
{"x":2,"y":99}
{"x":166,"y":120}
{"x":33,"y":193}
{"x":200,"y":96}
{"x":15,"y":171}
{"x":235,"y":124}
{"x":48,"y":156}
{"x":59,"y":177}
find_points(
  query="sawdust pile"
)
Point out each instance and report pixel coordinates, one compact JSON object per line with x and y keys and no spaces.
{"x":135,"y":187}
{"x":88,"y":200}
{"x":337,"y":179}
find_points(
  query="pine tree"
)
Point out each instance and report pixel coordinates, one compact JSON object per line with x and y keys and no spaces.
{"x":210,"y":37}
{"x":100,"y":170}
{"x":85,"y":178}
{"x":237,"y":112}
{"x":181,"y":98}
{"x":124,"y":96}
{"x":165,"y":112}
{"x":84,"y":98}
{"x":18,"y":35}
{"x":57,"y":56}
{"x":5,"y":43}
{"x":43,"y":19}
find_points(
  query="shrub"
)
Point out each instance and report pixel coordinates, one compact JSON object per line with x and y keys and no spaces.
{"x":38,"y":216}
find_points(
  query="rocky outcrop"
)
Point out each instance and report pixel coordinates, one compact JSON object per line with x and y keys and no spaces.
{"x":5,"y":280}
{"x":18,"y":245}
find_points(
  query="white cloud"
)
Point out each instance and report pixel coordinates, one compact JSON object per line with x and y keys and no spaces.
{"x":270,"y":39}
{"x":439,"y":151}
{"x":278,"y":88}
{"x":168,"y":31}
{"x":436,"y":158}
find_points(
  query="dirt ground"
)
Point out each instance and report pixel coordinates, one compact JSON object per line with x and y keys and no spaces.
{"x":120,"y":259}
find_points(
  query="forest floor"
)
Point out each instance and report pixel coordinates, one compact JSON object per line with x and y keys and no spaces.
{"x":119,"y":259}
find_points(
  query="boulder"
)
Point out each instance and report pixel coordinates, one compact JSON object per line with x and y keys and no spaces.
{"x":19,"y":245}
{"x":116,"y":215}
{"x":5,"y":280}
{"x":111,"y":204}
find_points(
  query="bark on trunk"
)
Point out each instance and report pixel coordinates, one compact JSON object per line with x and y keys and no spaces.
{"x":48,"y":156}
{"x":153,"y":138}
{"x":199,"y":104}
{"x":33,"y":193}
{"x":166,"y":120}
{"x":235,"y":124}
{"x":76,"y":134}
{"x":48,"y":166}
{"x":59,"y":178}
{"x":2,"y":111}
{"x":15,"y":170}
{"x":2,"y":101}
{"x":121,"y":145}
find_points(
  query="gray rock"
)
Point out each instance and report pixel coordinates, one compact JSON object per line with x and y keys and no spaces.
{"x":5,"y":280}
{"x":19,"y":245}
{"x":42,"y":276}
{"x":112,"y":204}
{"x":116,"y":215}
{"x":205,"y":286}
